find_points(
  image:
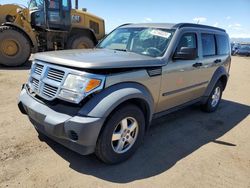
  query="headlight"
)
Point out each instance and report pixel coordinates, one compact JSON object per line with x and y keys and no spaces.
{"x":76,"y":87}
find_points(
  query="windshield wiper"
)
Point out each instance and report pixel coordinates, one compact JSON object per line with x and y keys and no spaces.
{"x":123,"y":50}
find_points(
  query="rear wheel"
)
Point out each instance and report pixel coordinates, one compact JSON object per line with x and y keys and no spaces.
{"x":80,"y":42}
{"x":122,"y":135}
{"x":214,"y":99}
{"x":15,"y":48}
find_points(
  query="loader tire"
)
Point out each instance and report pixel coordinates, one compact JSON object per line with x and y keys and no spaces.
{"x":15,"y":48}
{"x":80,"y":42}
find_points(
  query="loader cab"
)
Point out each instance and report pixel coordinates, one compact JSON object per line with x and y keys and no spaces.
{"x":51,"y":14}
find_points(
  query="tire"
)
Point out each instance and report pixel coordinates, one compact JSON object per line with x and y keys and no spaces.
{"x":109,"y":151}
{"x":15,"y":48}
{"x":214,"y":98}
{"x":79,"y":42}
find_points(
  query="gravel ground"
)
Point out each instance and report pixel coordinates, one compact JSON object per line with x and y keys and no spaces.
{"x":188,"y":148}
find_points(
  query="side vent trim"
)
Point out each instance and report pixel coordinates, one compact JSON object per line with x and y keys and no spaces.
{"x":154,"y":71}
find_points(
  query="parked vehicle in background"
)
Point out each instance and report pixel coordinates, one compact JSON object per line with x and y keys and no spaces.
{"x":103,"y":100}
{"x":243,"y":50}
{"x":234,"y":48}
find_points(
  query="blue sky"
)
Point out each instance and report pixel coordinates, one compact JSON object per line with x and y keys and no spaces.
{"x":232,"y":15}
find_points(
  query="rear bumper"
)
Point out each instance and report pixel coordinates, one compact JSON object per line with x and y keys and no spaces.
{"x":75,"y":132}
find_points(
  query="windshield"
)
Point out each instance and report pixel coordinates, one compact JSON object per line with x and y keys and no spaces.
{"x":145,"y":41}
{"x":36,"y":4}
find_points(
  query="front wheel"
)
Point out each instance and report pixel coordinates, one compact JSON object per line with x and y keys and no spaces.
{"x":214,"y":99}
{"x":122,"y":135}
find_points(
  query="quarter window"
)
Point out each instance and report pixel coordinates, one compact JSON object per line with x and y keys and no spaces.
{"x":222,"y":45}
{"x":208,"y":44}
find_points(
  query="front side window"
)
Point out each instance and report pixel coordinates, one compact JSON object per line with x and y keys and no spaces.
{"x":222,"y":45}
{"x":208,"y":44}
{"x":188,"y":40}
{"x":145,"y":41}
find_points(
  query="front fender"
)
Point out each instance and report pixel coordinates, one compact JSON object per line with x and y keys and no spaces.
{"x":103,"y":103}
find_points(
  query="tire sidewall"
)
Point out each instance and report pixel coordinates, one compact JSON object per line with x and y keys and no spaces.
{"x":24,"y":48}
{"x":76,"y":40}
{"x":209,"y":102}
{"x":104,"y":142}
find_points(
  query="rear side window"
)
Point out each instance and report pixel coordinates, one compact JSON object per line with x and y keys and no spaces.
{"x":208,"y":44}
{"x":222,"y":45}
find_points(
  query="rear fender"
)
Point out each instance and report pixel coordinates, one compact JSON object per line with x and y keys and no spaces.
{"x":220,"y":71}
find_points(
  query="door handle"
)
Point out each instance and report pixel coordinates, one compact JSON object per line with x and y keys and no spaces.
{"x":197,"y":65}
{"x":217,"y":61}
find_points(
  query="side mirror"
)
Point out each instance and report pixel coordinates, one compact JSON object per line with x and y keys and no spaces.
{"x":186,"y":53}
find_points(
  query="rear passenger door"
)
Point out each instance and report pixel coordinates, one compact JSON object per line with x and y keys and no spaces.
{"x":183,"y":80}
{"x":215,"y":52}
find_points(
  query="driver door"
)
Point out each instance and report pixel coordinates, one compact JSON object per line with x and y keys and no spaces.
{"x":182,"y":79}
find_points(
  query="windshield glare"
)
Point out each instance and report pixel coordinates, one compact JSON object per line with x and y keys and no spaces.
{"x":145,"y":41}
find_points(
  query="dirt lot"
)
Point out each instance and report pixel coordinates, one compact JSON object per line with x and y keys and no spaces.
{"x":188,"y":148}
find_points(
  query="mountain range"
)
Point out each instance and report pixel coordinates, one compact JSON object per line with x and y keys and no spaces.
{"x":240,"y":40}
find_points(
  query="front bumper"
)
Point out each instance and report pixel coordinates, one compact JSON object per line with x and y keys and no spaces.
{"x":73,"y":131}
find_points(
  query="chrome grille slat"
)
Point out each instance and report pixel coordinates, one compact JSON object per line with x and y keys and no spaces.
{"x":38,"y":69}
{"x":35,"y":84}
{"x":49,"y":90}
{"x":48,"y":94}
{"x":55,"y":74}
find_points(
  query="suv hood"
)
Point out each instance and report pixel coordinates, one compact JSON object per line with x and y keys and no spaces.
{"x":98,"y":59}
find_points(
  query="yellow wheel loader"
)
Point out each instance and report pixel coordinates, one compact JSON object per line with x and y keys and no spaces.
{"x":43,"y":26}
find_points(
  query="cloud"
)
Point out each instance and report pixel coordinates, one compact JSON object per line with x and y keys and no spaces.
{"x":235,"y":26}
{"x":147,"y":20}
{"x":228,"y":17}
{"x":239,"y":35}
{"x":216,"y":24}
{"x":200,"y":19}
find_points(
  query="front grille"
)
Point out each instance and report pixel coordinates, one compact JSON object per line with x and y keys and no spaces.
{"x":49,"y":91}
{"x":46,"y":80}
{"x":35,"y":83}
{"x":38,"y":69}
{"x":56,"y":75}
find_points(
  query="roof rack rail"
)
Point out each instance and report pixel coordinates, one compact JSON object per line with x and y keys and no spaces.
{"x":124,"y":24}
{"x":181,"y":25}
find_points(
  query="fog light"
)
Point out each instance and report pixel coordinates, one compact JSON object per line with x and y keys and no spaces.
{"x":73,"y":135}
